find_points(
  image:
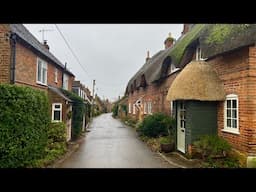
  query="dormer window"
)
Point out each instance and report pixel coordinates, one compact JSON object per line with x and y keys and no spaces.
{"x":199,"y":54}
{"x":165,"y":66}
{"x":143,"y":81}
{"x":173,"y":68}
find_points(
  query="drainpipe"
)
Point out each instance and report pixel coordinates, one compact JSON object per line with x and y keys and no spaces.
{"x":13,"y":57}
{"x":63,"y":75}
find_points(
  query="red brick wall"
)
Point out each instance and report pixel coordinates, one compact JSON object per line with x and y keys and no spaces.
{"x":237,"y":70}
{"x":70,"y":82}
{"x":5,"y":54}
{"x":156,"y":93}
{"x":26,"y":68}
{"x":54,"y":98}
{"x":51,"y":76}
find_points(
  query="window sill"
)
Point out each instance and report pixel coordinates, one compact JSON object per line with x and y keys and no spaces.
{"x":230,"y":131}
{"x":40,"y":83}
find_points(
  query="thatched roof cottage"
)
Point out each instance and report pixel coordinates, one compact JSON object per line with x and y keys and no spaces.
{"x":217,"y":82}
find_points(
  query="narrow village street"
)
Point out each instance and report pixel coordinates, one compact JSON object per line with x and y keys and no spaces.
{"x":111,"y":144}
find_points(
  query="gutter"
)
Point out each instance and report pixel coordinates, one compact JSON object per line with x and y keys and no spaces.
{"x":13,"y":57}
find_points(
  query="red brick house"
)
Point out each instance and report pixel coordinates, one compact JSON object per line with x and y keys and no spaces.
{"x":215,"y":91}
{"x":212,"y":88}
{"x":25,"y":61}
{"x":148,"y":88}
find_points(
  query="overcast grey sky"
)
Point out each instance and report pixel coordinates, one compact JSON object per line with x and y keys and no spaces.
{"x":110,"y":53}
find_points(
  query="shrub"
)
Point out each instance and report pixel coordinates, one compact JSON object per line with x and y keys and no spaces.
{"x":155,"y":125}
{"x":115,"y":110}
{"x":24,"y":120}
{"x":165,"y":140}
{"x":78,"y":112}
{"x":211,"y":146}
{"x":57,"y":145}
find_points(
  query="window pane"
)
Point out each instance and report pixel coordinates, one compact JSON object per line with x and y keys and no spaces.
{"x":44,"y":76}
{"x":228,"y":113}
{"x":184,"y":124}
{"x":39,"y":71}
{"x":234,"y":113}
{"x":56,"y":115}
{"x":234,"y":123}
{"x":229,"y":122}
{"x":228,"y":103}
{"x":57,"y":106}
{"x":233,"y":103}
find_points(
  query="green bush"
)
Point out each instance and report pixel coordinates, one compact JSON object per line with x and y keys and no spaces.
{"x":211,"y":146}
{"x":24,"y":120}
{"x":57,"y":145}
{"x":78,"y":111}
{"x":155,"y":125}
{"x":124,"y":109}
{"x":165,"y":140}
{"x":115,"y":110}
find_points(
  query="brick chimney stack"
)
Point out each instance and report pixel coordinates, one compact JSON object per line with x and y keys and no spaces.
{"x":168,"y":41}
{"x":186,"y":28}
{"x":46,"y":45}
{"x":147,"y":58}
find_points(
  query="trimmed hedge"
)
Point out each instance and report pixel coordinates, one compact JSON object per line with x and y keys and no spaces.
{"x":24,"y":121}
{"x":78,"y":111}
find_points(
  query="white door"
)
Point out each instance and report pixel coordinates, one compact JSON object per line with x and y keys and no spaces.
{"x":181,"y":128}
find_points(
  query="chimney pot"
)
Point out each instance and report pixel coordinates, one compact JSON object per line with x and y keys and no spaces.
{"x":147,"y":58}
{"x":168,"y":41}
{"x":46,"y":45}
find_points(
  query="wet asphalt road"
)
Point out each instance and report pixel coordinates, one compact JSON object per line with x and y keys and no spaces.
{"x":111,"y":144}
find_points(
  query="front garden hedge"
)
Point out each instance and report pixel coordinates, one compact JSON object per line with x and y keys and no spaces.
{"x":24,"y":122}
{"x":78,"y":111}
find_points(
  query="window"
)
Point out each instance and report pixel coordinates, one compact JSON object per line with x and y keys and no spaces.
{"x":145,"y":108}
{"x":149,"y":107}
{"x":231,"y":119}
{"x":199,"y":54}
{"x":41,"y":72}
{"x":65,"y":81}
{"x":173,"y":68}
{"x":165,"y":66}
{"x":130,"y":108}
{"x":134,"y":109}
{"x":56,"y":75}
{"x":56,"y":112}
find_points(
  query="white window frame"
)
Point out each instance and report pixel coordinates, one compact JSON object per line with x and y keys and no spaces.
{"x":226,"y":128}
{"x":145,"y":107}
{"x":43,"y":67}
{"x":130,"y":108}
{"x":56,"y":75}
{"x":199,"y":54}
{"x":149,"y":107}
{"x":54,"y":109}
{"x":173,"y":68}
{"x":133,"y":109}
{"x":65,"y":81}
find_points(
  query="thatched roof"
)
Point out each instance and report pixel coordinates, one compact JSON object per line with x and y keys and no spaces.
{"x":220,"y":38}
{"x":183,"y":43}
{"x":151,"y":69}
{"x":197,"y":81}
{"x":214,"y":39}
